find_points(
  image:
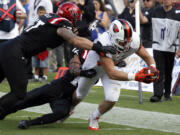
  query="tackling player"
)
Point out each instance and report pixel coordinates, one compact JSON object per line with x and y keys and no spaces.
{"x":50,"y":31}
{"x":58,"y":94}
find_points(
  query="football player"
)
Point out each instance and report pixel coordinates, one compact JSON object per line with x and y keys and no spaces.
{"x":127,"y":42}
{"x":58,"y":94}
{"x":49,"y":31}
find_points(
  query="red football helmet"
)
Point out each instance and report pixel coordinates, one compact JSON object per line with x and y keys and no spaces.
{"x":69,"y":11}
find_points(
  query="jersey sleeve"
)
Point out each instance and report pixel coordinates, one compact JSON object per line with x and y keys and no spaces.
{"x":81,"y":53}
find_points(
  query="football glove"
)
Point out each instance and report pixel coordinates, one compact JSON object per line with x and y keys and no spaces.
{"x":88,"y":73}
{"x":103,"y":49}
{"x":147,"y":75}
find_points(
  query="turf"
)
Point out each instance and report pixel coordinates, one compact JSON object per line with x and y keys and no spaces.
{"x":128,"y":99}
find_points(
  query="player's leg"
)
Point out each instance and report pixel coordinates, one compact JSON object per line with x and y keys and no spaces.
{"x":38,"y":96}
{"x":112,"y":92}
{"x":60,"y":108}
{"x":15,"y":71}
{"x":84,"y":85}
{"x":2,"y":76}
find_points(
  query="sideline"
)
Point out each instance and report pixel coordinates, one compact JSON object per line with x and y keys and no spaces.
{"x":124,"y":116}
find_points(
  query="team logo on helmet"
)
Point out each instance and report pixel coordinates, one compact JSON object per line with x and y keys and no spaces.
{"x":73,"y":13}
{"x":115,"y":28}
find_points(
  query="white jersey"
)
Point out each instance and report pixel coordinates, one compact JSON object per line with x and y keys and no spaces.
{"x":33,"y":6}
{"x":14,"y":32}
{"x":111,"y":87}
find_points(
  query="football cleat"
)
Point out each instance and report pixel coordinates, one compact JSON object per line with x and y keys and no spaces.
{"x":93,"y":123}
{"x":23,"y":124}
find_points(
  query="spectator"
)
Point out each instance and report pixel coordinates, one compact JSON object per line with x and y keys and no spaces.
{"x":33,"y":6}
{"x":110,"y":12}
{"x":21,"y":22}
{"x":165,"y":25}
{"x":8,"y":24}
{"x":146,"y":29}
{"x":26,"y":7}
{"x":102,"y":20}
{"x":158,"y":3}
{"x":88,"y":16}
{"x":40,"y":61}
{"x":126,"y":3}
{"x":129,"y":13}
{"x":176,"y":4}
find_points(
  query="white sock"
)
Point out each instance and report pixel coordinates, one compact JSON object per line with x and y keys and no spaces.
{"x":36,"y":76}
{"x":45,"y":76}
{"x":96,"y":114}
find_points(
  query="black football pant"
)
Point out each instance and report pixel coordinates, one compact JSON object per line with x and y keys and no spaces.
{"x":164,"y":63}
{"x":58,"y":94}
{"x":12,"y":67}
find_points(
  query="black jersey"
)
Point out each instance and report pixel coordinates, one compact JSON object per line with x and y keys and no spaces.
{"x":43,"y":34}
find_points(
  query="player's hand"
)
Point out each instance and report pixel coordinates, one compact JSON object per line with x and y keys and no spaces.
{"x":147,"y":75}
{"x":103,"y":49}
{"x":74,"y":67}
{"x":88,"y":73}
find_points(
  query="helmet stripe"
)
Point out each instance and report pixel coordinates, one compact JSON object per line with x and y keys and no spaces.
{"x":57,"y":20}
{"x":127,"y":30}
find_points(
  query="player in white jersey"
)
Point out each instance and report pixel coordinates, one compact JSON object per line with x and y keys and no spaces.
{"x":127,"y":42}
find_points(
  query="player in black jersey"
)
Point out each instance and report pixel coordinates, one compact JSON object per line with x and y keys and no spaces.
{"x":58,"y":94}
{"x":50,"y":31}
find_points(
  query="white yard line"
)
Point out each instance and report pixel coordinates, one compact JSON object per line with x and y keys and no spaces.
{"x":125,"y":116}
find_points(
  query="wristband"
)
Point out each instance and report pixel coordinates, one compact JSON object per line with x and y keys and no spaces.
{"x":153,"y":65}
{"x":131,"y":76}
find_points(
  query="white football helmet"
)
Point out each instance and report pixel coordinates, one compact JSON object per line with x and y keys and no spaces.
{"x":121,"y":32}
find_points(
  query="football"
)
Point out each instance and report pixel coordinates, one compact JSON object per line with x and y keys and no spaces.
{"x":151,"y":70}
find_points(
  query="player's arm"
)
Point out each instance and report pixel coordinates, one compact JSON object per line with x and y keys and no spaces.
{"x":146,"y":56}
{"x":108,"y":66}
{"x":69,"y":36}
{"x":141,"y":76}
{"x":83,"y":43}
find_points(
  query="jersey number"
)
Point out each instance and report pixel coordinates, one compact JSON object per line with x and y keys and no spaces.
{"x":163,"y":33}
{"x":35,"y":25}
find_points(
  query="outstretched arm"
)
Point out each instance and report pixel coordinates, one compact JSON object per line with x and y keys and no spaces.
{"x":69,"y":36}
{"x":141,"y":76}
{"x":83,"y":43}
{"x":108,"y":66}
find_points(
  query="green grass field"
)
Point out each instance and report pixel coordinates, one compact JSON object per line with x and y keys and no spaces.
{"x":76,"y":126}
